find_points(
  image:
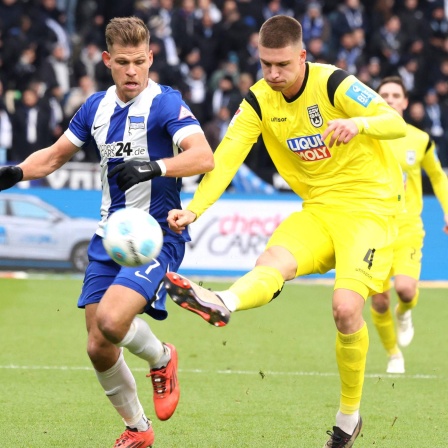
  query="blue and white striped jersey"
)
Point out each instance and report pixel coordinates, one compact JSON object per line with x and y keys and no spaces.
{"x":150,"y":127}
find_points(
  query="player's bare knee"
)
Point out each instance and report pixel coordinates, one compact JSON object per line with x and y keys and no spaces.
{"x":406,"y":292}
{"x":380,"y":302}
{"x":111,"y":328}
{"x":281,"y":259}
{"x":345,"y":316}
{"x":97,"y":352}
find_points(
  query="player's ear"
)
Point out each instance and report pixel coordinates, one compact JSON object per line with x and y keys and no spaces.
{"x":106,"y":58}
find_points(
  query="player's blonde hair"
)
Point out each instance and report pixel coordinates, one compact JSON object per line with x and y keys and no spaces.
{"x":126,"y":31}
{"x":280,"y":31}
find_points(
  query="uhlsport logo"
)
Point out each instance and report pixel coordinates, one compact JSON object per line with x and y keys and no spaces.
{"x":315,"y":116}
{"x":309,"y":148}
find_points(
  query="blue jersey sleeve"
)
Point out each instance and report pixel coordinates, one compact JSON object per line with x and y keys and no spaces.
{"x":173,"y":113}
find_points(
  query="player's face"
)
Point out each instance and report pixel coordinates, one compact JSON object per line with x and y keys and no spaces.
{"x":394,"y":96}
{"x":283,"y":68}
{"x":129,"y":67}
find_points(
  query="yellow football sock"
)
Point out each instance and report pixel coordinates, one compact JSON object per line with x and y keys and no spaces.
{"x":258,"y":287}
{"x":385,"y":327}
{"x":351,"y":354}
{"x":406,"y":306}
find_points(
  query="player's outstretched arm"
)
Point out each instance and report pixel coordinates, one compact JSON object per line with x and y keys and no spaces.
{"x":179,"y":219}
{"x":196,"y":158}
{"x":39,"y":164}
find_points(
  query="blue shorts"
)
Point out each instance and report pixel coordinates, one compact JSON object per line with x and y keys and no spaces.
{"x":147,"y":279}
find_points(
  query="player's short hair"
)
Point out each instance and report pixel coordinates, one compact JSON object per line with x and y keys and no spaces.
{"x":280,"y":31}
{"x":394,"y":80}
{"x":126,"y":31}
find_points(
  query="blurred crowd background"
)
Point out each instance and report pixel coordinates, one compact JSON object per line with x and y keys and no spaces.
{"x":50,"y":59}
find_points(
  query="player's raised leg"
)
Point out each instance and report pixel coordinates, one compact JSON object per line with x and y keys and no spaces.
{"x":258,"y":287}
{"x":197,"y":299}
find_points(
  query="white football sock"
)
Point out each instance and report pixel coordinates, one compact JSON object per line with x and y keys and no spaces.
{"x":119,"y":385}
{"x":229,"y":298}
{"x":347,"y":422}
{"x":142,"y":342}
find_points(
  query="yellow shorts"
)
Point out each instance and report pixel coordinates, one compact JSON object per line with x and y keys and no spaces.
{"x":407,"y":249}
{"x":358,"y":246}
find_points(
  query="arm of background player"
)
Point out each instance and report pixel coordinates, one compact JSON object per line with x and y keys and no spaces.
{"x":438,"y":178}
{"x":43,"y":162}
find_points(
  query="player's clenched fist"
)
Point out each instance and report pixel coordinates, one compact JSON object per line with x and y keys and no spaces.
{"x":132,"y":173}
{"x":178,"y":220}
{"x":9,"y":176}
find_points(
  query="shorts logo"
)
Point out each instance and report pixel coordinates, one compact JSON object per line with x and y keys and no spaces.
{"x":368,"y":258}
{"x":411,"y":157}
{"x":360,"y":93}
{"x":309,"y":148}
{"x":136,"y":123}
{"x":315,"y":116}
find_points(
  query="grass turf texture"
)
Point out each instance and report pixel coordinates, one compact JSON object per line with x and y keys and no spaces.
{"x":269,"y":379}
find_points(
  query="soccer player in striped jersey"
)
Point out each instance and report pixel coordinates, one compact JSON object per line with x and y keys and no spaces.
{"x":415,"y":152}
{"x":323,"y":129}
{"x":147,"y":139}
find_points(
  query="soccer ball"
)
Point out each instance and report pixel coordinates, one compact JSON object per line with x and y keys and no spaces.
{"x":132,"y":237}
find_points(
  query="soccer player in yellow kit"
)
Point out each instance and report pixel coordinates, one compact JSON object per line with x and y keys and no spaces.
{"x":415,"y":152}
{"x":323,"y":130}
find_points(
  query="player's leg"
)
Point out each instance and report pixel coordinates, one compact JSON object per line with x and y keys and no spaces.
{"x":383,"y":320}
{"x":408,"y":293}
{"x":143,"y":290}
{"x":364,"y":253}
{"x":257,"y":288}
{"x":118,"y":383}
{"x":407,"y":266}
{"x":118,"y":322}
{"x":278,"y":263}
{"x":352,"y":343}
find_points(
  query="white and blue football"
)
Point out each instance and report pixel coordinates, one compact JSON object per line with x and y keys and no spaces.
{"x":132,"y":237}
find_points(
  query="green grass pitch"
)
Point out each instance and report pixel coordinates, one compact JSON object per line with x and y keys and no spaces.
{"x":268,"y":379}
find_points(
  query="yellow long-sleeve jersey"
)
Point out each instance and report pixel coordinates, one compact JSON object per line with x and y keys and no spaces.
{"x":416,"y":151}
{"x":360,"y":175}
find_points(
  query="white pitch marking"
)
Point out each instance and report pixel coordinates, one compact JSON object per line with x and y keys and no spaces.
{"x":230,"y":372}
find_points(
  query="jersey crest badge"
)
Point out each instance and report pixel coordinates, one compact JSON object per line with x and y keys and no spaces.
{"x":185,"y":113}
{"x":315,"y":116}
{"x":136,"y":123}
{"x":411,"y":157}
